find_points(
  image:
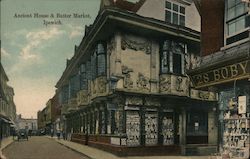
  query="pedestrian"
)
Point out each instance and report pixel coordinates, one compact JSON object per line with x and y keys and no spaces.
{"x":52,"y":132}
{"x":58,"y":133}
{"x":64,"y":137}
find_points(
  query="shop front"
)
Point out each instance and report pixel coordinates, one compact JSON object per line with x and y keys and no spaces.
{"x":231,"y":79}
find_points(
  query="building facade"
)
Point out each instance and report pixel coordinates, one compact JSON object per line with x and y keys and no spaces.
{"x":49,"y":118}
{"x":7,"y":106}
{"x":126,"y":89}
{"x":225,"y":68}
{"x":24,"y":123}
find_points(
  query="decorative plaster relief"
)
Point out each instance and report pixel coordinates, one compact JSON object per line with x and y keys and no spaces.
{"x":203,"y":95}
{"x":142,"y":82}
{"x":102,"y":81}
{"x":152,"y":102}
{"x":165,"y":83}
{"x":134,"y":101}
{"x":111,"y":46}
{"x":82,"y":97}
{"x":127,"y":83}
{"x":136,"y":45}
{"x":179,"y":84}
{"x":195,"y":61}
{"x":187,"y":61}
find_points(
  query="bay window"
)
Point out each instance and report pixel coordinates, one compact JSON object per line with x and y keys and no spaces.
{"x":101,"y":60}
{"x":172,"y":57}
{"x":83,"y":77}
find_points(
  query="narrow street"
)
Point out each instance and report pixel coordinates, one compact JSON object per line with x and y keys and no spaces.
{"x":39,"y":148}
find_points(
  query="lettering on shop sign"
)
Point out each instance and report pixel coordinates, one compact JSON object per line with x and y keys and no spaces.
{"x":222,"y":74}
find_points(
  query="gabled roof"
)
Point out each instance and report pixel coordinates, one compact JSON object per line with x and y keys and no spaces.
{"x":122,"y":4}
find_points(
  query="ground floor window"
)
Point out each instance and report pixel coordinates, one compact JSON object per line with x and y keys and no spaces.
{"x":151,"y":128}
{"x":133,"y":128}
{"x":197,"y":127}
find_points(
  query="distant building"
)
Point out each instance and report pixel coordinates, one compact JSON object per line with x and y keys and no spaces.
{"x":7,"y":105}
{"x":25,"y":123}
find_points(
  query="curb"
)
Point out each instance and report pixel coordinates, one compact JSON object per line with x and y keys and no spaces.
{"x":2,"y":148}
{"x":71,"y":148}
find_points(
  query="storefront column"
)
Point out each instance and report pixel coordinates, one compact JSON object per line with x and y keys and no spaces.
{"x":183,"y":131}
{"x":212,"y":127}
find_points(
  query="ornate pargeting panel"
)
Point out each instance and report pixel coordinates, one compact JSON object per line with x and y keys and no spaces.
{"x":133,"y":128}
{"x":127,"y":81}
{"x":203,"y":95}
{"x":142,"y":82}
{"x":151,"y":128}
{"x":99,"y":86}
{"x":136,"y":44}
{"x":175,"y":85}
{"x":82,"y":97}
{"x":152,"y":102}
{"x":133,"y":101}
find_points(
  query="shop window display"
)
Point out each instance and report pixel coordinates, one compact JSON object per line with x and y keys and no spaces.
{"x":133,"y":128}
{"x":168,"y":129}
{"x":235,"y":118}
{"x":151,"y":128}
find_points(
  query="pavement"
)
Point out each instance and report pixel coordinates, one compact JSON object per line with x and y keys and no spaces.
{"x":3,"y":144}
{"x":40,"y":147}
{"x":95,"y":153}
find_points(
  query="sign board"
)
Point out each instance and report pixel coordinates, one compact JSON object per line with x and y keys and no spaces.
{"x":223,"y":74}
{"x":242,"y":104}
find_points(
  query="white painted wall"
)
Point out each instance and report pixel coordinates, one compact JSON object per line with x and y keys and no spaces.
{"x":156,"y":9}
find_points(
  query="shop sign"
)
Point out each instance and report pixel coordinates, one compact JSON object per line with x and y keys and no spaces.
{"x":223,"y":74}
{"x":242,"y":104}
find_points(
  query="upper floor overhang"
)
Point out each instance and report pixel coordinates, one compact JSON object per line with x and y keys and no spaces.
{"x":113,"y":19}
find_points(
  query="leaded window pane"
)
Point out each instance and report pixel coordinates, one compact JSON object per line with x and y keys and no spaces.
{"x":175,"y":18}
{"x":175,"y":7}
{"x":231,"y":3}
{"x":88,"y":70}
{"x":231,"y":28}
{"x":177,"y":63}
{"x":240,"y":9}
{"x":168,"y":5}
{"x":101,"y":64}
{"x":240,"y":24}
{"x":164,"y":62}
{"x":182,"y":20}
{"x":168,"y":16}
{"x":93,"y":66}
{"x":182,"y":10}
{"x":231,"y":13}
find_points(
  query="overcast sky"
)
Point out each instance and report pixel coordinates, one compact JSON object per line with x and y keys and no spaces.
{"x":33,"y":54}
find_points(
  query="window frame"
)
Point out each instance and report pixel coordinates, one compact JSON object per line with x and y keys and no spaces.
{"x":170,"y":57}
{"x":234,"y":19}
{"x":172,"y":12}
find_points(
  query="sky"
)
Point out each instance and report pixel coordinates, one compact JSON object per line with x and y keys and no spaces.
{"x":34,"y":54}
